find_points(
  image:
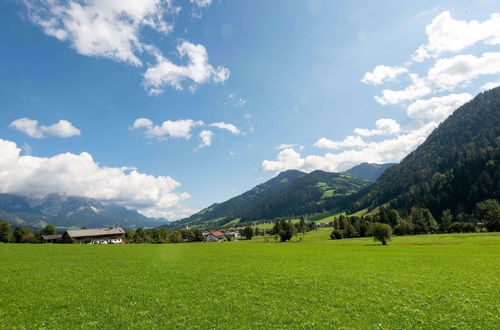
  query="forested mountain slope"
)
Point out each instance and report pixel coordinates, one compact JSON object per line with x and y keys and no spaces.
{"x":456,"y":167}
{"x":291,"y":193}
{"x":368,"y":171}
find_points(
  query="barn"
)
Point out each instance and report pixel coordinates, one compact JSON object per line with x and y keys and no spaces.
{"x":111,"y":235}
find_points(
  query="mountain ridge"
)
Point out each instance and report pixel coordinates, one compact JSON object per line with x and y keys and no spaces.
{"x":289,"y":193}
{"x":70,"y":211}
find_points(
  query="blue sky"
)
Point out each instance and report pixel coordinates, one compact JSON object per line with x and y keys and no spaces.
{"x":273,"y":85}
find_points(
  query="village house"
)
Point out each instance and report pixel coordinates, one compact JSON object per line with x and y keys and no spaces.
{"x":56,"y":238}
{"x":215,"y":236}
{"x":232,"y":234}
{"x":111,"y":235}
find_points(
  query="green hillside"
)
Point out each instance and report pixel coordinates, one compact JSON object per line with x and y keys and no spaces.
{"x":291,"y":193}
{"x":456,"y":167}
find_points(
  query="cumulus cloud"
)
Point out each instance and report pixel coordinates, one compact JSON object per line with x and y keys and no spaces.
{"x":112,"y":29}
{"x":382,"y":73}
{"x":390,"y":150}
{"x":446,"y":74}
{"x":349,"y":141}
{"x":206,"y":137}
{"x":446,"y":34}
{"x":174,"y":129}
{"x":437,"y":108}
{"x":105,"y":28}
{"x":228,"y":127}
{"x":30,"y":127}
{"x":80,"y":175}
{"x":383,"y":126}
{"x":198,"y":70}
{"x":417,"y":89}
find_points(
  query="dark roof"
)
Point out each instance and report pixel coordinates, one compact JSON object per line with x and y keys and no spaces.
{"x":51,"y":237}
{"x":95,"y":232}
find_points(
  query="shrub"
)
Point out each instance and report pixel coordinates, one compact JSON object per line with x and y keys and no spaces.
{"x":337,"y":234}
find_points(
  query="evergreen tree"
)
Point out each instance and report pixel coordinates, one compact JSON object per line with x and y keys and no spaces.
{"x":5,"y":231}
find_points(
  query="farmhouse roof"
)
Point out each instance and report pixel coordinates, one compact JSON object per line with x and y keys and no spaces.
{"x":217,"y":233}
{"x":95,"y":232}
{"x":51,"y":237}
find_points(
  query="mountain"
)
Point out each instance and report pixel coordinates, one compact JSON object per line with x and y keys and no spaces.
{"x":368,"y":171}
{"x":290,"y":193}
{"x":457,"y":166}
{"x":69,"y":211}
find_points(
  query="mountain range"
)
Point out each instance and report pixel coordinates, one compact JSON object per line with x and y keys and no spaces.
{"x":70,"y":211}
{"x":457,"y":166}
{"x":290,"y":193}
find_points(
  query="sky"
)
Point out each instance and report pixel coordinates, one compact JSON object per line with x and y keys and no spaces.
{"x":168,"y":106}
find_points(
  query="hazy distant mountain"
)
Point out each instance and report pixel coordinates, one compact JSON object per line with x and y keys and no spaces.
{"x":368,"y":171}
{"x":70,"y":211}
{"x":290,"y":193}
{"x":457,"y":166}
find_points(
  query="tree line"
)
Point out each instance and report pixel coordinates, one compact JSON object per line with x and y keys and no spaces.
{"x":485,"y":217}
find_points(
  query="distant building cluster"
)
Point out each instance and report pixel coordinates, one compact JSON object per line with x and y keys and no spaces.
{"x":219,"y":236}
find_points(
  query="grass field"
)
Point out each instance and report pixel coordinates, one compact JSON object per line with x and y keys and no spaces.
{"x":435,"y":281}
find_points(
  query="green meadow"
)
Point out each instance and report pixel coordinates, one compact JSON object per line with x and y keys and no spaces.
{"x":428,"y":281}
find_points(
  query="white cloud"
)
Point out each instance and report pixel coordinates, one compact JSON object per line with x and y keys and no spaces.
{"x":490,"y":85}
{"x":449,"y":73}
{"x":198,"y":70}
{"x":174,"y":129}
{"x":228,"y":127}
{"x":382,"y":73}
{"x":418,"y":89}
{"x":383,"y":126}
{"x":30,"y":127}
{"x":206,"y":137}
{"x":446,"y":34}
{"x":349,"y":141}
{"x":390,"y":150}
{"x":446,"y":74}
{"x":62,"y":128}
{"x":284,"y":146}
{"x":27,"y":126}
{"x":437,"y":108}
{"x":112,"y":29}
{"x":80,"y":175}
{"x":104,"y":28}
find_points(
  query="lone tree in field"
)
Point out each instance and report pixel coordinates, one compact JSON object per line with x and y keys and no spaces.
{"x":381,"y":232}
{"x":248,"y":232}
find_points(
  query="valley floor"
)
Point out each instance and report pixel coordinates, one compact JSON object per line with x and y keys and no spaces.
{"x":433,"y":281}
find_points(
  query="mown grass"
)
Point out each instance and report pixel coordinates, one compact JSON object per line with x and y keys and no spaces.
{"x":434,"y":281}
